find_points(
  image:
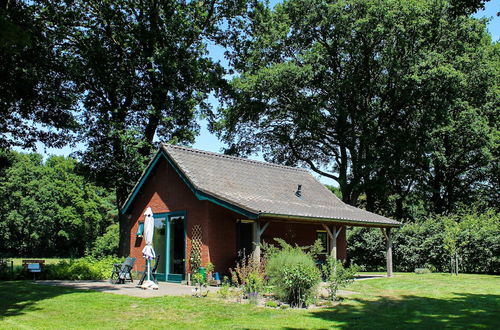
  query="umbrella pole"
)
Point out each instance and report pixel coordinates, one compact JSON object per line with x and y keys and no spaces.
{"x":149,"y":266}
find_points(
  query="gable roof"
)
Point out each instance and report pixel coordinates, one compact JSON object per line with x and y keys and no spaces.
{"x":258,"y":189}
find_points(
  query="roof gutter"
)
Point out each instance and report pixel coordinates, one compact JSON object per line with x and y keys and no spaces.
{"x":316,"y":219}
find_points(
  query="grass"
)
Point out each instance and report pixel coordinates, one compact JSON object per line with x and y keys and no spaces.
{"x":18,"y":262}
{"x":406,"y":301}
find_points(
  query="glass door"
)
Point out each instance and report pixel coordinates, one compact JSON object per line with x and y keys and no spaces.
{"x":159,"y":244}
{"x":169,"y":241}
{"x":177,"y":246}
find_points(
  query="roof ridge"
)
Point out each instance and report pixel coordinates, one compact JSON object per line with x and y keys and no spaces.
{"x":210,"y":153}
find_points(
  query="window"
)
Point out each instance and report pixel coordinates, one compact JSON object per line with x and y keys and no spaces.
{"x":140,"y":229}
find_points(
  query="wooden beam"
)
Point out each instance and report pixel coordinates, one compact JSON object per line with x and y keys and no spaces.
{"x":263,"y":228}
{"x":383,"y":232}
{"x":334,"y":243}
{"x":328,"y":230}
{"x":333,"y":238}
{"x":338,"y":232}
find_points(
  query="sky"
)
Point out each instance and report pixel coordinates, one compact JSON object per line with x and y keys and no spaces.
{"x":209,"y":142}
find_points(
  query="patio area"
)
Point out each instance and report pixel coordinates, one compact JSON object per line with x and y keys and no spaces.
{"x":164,"y":288}
{"x":128,"y":289}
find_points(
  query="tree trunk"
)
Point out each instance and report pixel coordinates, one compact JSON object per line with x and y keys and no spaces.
{"x":124,"y":223}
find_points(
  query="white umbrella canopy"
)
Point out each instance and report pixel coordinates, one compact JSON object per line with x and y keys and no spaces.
{"x":148,"y":252}
{"x":149,"y":225}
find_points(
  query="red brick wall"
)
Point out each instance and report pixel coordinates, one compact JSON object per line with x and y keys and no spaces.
{"x":222,"y":238}
{"x":164,"y":191}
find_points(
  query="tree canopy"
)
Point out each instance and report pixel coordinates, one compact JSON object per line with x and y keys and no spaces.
{"x":49,"y":208}
{"x":392,"y":99}
{"x":37,"y":94}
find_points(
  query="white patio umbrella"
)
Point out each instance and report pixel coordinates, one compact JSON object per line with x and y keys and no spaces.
{"x":148,"y":252}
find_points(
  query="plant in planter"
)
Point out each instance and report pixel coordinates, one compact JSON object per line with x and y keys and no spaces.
{"x":210,"y":274}
{"x":200,"y":283}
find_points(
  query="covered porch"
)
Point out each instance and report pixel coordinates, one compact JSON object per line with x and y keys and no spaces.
{"x":305,"y":231}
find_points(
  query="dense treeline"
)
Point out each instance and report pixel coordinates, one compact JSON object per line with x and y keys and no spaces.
{"x":50,"y":209}
{"x":423,"y":244}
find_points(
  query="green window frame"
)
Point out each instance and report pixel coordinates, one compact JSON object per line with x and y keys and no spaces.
{"x":140,"y":229}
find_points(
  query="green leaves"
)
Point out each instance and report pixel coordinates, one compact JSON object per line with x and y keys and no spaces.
{"x":369,"y":93}
{"x":49,"y":209}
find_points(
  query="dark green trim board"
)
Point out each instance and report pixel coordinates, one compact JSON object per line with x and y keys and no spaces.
{"x":204,"y":196}
{"x":199,"y":194}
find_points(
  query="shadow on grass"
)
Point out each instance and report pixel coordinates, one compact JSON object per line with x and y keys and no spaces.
{"x":19,"y":297}
{"x":460,"y":311}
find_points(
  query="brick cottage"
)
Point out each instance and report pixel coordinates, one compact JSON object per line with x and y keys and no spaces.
{"x":220,"y":206}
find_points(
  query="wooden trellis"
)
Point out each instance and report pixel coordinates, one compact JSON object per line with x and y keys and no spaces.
{"x":196,"y":239}
{"x":195,"y":253}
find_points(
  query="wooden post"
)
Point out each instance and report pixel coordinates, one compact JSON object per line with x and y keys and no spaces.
{"x":256,"y":241}
{"x":257,"y":231}
{"x":333,"y":239}
{"x":388,"y":238}
{"x":334,"y":243}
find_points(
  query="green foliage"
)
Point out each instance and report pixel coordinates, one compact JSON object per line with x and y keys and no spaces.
{"x":249,"y":275}
{"x":37,"y":94}
{"x":210,"y":268}
{"x":294,"y":275}
{"x":144,"y":72}
{"x":395,"y":100}
{"x":422,"y":271}
{"x":50,"y":209}
{"x":422,"y":244}
{"x":337,"y":276}
{"x":81,"y":269}
{"x":198,"y":278}
{"x":107,"y":244}
{"x":271,"y":303}
{"x":195,"y":260}
{"x":224,"y":290}
{"x":254,"y":284}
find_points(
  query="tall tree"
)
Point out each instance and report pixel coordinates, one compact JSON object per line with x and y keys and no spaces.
{"x":358,"y":91}
{"x":49,"y":208}
{"x":145,"y":74}
{"x":37,"y":96}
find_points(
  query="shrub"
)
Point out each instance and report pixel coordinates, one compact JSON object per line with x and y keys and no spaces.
{"x":422,"y":271}
{"x":107,"y":244}
{"x":81,"y":269}
{"x":271,"y":303}
{"x":249,"y":275}
{"x":422,"y":244}
{"x":337,"y":276}
{"x":224,"y":289}
{"x":200,"y":282}
{"x":294,"y":275}
{"x":210,"y":268}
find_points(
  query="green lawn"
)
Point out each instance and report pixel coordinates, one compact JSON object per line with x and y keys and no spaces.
{"x":48,"y":261}
{"x":407,"y":301}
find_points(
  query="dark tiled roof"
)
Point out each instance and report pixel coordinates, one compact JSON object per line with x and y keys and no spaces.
{"x":266,"y":189}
